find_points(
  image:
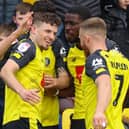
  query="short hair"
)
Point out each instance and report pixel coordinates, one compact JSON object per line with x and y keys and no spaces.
{"x":43,"y":6}
{"x":94,"y":25}
{"x":23,"y":8}
{"x":6,"y":29}
{"x":47,"y":17}
{"x":82,"y":11}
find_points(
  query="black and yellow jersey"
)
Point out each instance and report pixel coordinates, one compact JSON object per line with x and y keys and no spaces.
{"x":33,"y":64}
{"x":75,"y":64}
{"x":50,"y":104}
{"x":116,"y":66}
{"x":30,"y":60}
{"x":75,"y":60}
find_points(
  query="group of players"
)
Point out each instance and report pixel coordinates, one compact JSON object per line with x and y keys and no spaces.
{"x":36,"y":66}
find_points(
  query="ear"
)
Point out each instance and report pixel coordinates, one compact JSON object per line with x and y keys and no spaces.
{"x":87,"y":38}
{"x":14,"y":19}
{"x":33,"y":29}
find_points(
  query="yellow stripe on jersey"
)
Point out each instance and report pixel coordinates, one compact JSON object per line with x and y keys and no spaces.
{"x":100,"y":70}
{"x":17,"y":55}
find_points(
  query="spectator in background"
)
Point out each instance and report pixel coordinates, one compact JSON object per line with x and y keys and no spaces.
{"x":116,"y":20}
{"x":128,"y":17}
{"x":105,"y":6}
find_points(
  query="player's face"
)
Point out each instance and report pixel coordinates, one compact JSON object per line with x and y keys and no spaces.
{"x":45,"y":35}
{"x":19,"y":18}
{"x":83,"y":42}
{"x":72,"y":22}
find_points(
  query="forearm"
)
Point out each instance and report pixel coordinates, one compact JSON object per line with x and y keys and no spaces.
{"x":104,"y":95}
{"x":12,"y":82}
{"x":63,"y":81}
{"x":60,"y":82}
{"x":6,"y":43}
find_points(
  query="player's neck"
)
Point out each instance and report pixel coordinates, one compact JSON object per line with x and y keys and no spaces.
{"x":98,"y":46}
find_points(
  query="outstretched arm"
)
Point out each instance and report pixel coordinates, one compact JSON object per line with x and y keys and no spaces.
{"x":6,"y":43}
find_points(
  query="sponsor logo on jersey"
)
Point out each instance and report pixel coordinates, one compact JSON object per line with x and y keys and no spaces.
{"x":23,"y":47}
{"x":97,"y":62}
{"x":63,"y":52}
{"x":47,"y":61}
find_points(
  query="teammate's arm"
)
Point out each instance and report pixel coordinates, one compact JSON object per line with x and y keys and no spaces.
{"x":6,"y":43}
{"x":60,"y":82}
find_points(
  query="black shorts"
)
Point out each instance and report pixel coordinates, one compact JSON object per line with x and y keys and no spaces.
{"x":77,"y":124}
{"x":23,"y":123}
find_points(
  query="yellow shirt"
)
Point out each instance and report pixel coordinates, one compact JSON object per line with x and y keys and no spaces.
{"x":118,"y":67}
{"x":50,"y":104}
{"x":75,"y":63}
{"x":30,"y":77}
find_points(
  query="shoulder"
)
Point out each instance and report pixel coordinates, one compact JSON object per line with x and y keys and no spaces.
{"x":23,"y":52}
{"x":96,"y":65}
{"x":94,"y":58}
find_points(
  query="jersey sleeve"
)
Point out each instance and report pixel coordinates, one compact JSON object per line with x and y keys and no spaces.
{"x":23,"y":53}
{"x":96,"y":66}
{"x":60,"y":63}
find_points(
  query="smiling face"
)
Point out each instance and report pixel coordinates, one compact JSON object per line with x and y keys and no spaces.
{"x":72,"y":22}
{"x":45,"y":34}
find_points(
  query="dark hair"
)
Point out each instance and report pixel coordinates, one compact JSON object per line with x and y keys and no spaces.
{"x":47,"y":17}
{"x":82,"y":11}
{"x":43,"y":6}
{"x":23,"y":8}
{"x":6,"y":29}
